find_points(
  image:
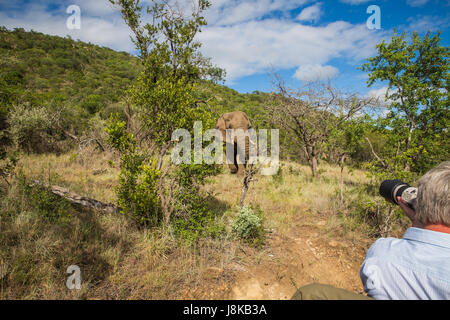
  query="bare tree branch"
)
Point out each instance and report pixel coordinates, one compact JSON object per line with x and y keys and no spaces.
{"x":374,"y":154}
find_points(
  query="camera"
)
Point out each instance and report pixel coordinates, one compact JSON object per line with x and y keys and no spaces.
{"x":391,"y":189}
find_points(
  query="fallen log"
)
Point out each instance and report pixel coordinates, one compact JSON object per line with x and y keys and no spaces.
{"x":80,"y":200}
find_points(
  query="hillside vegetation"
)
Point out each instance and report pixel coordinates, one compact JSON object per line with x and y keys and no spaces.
{"x":99,"y":123}
{"x":39,"y":69}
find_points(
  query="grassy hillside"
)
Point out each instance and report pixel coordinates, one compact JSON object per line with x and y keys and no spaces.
{"x":38,"y":67}
{"x":80,"y":84}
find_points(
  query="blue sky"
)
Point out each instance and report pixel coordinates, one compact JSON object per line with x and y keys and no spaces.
{"x":300,"y":39}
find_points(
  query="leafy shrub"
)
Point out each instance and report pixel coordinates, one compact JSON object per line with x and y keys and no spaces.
{"x":201,"y":222}
{"x":31,"y":129}
{"x":118,"y":137}
{"x":137,"y":191}
{"x":150,"y":198}
{"x":193,"y":217}
{"x":249,"y":226}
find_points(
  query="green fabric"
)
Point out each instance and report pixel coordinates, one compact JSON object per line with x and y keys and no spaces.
{"x":318,"y":291}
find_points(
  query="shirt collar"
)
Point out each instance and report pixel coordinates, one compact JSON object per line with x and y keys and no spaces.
{"x":427,"y":236}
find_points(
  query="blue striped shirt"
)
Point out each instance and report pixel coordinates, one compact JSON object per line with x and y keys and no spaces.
{"x":415,"y":267}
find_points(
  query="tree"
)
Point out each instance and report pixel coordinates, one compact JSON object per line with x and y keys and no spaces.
{"x":417,"y":123}
{"x":165,"y":92}
{"x":166,"y":98}
{"x":312,"y":113}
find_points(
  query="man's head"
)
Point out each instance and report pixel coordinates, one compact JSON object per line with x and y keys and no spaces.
{"x":433,"y":196}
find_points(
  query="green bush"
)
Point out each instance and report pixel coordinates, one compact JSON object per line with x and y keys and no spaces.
{"x":249,"y":226}
{"x":137,"y":190}
{"x":31,"y":129}
{"x":193,"y":217}
{"x":141,"y":187}
{"x":200,"y":223}
{"x":118,"y":136}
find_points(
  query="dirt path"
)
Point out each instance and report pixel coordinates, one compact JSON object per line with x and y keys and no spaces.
{"x":301,"y":258}
{"x":303,"y":255}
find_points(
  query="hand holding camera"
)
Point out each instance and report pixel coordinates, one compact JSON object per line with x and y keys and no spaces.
{"x":401,"y":193}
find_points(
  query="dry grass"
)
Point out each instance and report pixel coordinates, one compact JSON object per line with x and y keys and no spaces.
{"x":120,"y":260}
{"x":77,"y":171}
{"x":292,"y":194}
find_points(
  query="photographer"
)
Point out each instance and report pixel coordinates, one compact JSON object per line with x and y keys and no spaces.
{"x":417,"y":266}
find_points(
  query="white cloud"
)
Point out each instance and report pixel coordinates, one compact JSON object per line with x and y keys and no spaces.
{"x":314,"y":72}
{"x":425,"y":23}
{"x":105,"y":30}
{"x":416,"y":3}
{"x":378,"y":93}
{"x":312,"y":13}
{"x":95,"y":8}
{"x":229,"y":12}
{"x":252,"y":47}
{"x":236,"y":39}
{"x":354,"y":2}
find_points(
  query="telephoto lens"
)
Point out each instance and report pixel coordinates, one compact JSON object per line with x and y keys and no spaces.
{"x":391,"y":189}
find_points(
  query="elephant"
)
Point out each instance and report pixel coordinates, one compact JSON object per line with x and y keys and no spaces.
{"x":235,"y":120}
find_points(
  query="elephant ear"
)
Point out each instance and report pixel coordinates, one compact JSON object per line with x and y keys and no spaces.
{"x":249,"y":122}
{"x":220,"y":124}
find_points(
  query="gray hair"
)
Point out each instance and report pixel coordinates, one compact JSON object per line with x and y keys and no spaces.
{"x":433,"y":196}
